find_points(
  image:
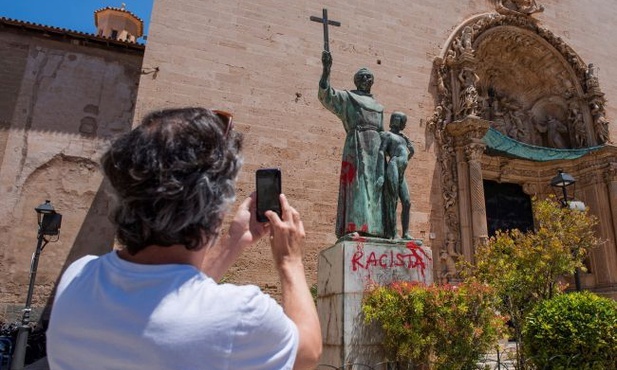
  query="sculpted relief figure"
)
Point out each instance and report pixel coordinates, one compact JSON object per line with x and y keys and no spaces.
{"x":359,"y":201}
{"x":468,"y":97}
{"x":398,"y":150}
{"x":448,"y":257}
{"x":517,"y":7}
{"x":554,"y":131}
{"x":591,"y":76}
{"x":463,"y":44}
{"x":600,"y":123}
{"x":578,"y":126}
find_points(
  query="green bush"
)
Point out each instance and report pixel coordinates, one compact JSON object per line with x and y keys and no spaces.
{"x":445,"y":326}
{"x":526,"y":268}
{"x":572,"y":331}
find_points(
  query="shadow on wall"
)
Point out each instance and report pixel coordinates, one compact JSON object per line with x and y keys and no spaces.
{"x":95,"y":237}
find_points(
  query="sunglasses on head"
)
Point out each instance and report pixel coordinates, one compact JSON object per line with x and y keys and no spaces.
{"x":227,"y":119}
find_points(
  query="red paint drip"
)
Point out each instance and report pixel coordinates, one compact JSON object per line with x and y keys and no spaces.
{"x":416,"y":250}
{"x":348,"y":173}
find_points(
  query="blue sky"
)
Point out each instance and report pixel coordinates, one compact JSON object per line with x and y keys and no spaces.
{"x":77,"y":15}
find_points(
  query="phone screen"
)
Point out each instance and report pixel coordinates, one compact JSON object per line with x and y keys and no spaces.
{"x":268,"y":181}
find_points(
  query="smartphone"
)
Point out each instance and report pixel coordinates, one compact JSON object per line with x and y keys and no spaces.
{"x":268,"y":183}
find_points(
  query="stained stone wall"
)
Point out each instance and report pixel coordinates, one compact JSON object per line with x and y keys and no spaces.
{"x":60,"y":102}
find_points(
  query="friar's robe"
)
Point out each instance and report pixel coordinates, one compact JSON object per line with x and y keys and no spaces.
{"x":360,"y":197}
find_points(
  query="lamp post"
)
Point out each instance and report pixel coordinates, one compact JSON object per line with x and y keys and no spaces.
{"x":563,"y":181}
{"x":49,"y":224}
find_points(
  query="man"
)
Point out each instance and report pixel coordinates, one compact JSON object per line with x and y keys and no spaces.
{"x":155,"y":303}
{"x":359,"y":201}
{"x":399,"y":150}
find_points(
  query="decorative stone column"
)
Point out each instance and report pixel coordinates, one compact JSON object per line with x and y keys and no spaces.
{"x":468,"y":134}
{"x":610,"y":256}
{"x":473,"y":153}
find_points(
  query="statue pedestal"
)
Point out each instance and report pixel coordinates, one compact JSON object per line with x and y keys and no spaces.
{"x":344,"y":272}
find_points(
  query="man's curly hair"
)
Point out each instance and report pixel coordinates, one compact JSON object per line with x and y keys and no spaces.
{"x":174,"y":178}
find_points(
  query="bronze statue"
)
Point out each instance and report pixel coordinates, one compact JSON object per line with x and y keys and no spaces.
{"x":359,"y":201}
{"x":398,"y":149}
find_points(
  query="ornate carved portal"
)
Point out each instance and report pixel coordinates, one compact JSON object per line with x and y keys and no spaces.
{"x":505,"y":72}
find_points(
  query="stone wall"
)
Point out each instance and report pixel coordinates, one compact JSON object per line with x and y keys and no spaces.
{"x":261,"y":61}
{"x":59,"y":104}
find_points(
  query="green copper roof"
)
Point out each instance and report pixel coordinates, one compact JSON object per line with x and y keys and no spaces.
{"x":500,"y":144}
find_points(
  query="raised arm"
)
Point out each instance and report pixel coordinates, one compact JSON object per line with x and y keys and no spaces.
{"x":326,"y":61}
{"x":244,"y":231}
{"x":286,"y":239}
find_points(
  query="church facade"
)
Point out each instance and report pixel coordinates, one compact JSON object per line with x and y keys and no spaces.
{"x":500,"y":95}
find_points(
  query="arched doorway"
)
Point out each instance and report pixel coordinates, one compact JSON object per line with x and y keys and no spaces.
{"x":513,"y":104}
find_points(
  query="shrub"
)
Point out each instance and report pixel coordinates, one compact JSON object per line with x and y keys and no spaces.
{"x":572,"y":331}
{"x":446,"y":326}
{"x":525,"y":268}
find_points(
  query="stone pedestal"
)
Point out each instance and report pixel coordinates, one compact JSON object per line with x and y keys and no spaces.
{"x":344,"y":271}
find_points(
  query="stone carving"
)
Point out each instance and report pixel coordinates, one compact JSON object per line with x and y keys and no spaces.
{"x":463,"y":43}
{"x":517,"y":7}
{"x":448,"y":258}
{"x":577,"y":123}
{"x":591,"y":77}
{"x":610,"y":174}
{"x":468,"y":97}
{"x":553,"y":130}
{"x":508,"y":69}
{"x":359,"y":200}
{"x":466,"y":36}
{"x":600,"y":123}
{"x":398,"y":150}
{"x":507,"y":117}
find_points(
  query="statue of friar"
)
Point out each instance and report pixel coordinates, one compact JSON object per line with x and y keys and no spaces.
{"x":360,"y":192}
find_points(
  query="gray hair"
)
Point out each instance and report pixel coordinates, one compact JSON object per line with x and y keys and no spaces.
{"x":174,"y":177}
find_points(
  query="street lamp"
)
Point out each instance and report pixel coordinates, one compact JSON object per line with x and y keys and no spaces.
{"x":49,"y":222}
{"x":563,"y":181}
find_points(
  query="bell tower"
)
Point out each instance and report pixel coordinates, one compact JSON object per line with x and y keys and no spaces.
{"x":118,"y":24}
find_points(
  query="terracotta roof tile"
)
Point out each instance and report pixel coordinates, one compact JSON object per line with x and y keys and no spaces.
{"x":41,"y":28}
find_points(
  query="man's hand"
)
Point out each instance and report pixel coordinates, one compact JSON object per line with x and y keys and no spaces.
{"x":244,"y":228}
{"x":286,"y":234}
{"x":326,"y":59}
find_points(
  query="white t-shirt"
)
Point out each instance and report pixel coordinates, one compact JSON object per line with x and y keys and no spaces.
{"x":113,"y":314}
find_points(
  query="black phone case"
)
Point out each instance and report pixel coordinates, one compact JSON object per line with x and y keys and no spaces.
{"x":268,"y":184}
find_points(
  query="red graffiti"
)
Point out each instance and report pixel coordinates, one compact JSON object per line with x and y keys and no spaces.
{"x":416,"y":250}
{"x":388,"y":259}
{"x":351,"y":228}
{"x":348,"y":173}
